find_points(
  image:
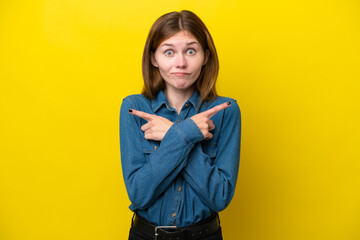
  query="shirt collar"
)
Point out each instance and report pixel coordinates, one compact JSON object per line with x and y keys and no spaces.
{"x":194,"y":100}
{"x":161,"y":99}
{"x":158,"y":101}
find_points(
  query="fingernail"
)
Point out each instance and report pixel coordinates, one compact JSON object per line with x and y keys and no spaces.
{"x":130,"y":110}
{"x":228,"y":103}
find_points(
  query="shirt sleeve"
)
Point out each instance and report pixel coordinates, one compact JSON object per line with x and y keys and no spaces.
{"x":214,"y":180}
{"x":146,"y":178}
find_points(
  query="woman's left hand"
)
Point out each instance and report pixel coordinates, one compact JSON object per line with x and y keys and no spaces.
{"x":155,"y":128}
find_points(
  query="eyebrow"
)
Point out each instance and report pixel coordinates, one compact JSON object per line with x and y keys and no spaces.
{"x":171,"y":45}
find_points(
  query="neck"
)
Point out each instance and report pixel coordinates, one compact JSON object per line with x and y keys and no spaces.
{"x":177,"y":98}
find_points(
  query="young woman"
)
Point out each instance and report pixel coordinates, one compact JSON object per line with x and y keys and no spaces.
{"x":180,"y":142}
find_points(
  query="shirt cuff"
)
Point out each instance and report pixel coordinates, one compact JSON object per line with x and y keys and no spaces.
{"x":189,"y":131}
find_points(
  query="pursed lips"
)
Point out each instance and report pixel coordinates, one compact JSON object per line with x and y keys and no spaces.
{"x":180,"y":74}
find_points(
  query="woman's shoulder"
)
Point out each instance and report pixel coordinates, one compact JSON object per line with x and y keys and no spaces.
{"x":233,"y":110}
{"x":219,"y":100}
{"x":136,"y":99}
{"x":222,"y":99}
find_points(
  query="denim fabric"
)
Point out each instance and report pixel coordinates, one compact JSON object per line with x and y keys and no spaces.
{"x":184,"y":178}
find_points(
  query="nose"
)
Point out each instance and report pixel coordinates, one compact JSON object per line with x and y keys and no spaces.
{"x":181,"y":61}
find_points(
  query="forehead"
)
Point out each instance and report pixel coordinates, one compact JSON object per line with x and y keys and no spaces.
{"x":183,"y":37}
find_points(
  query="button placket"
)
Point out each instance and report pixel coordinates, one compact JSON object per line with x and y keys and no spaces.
{"x":178,"y":193}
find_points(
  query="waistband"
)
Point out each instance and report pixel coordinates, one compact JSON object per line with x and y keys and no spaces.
{"x":201,"y":229}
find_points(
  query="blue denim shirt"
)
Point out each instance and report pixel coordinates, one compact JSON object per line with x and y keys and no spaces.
{"x":184,"y":178}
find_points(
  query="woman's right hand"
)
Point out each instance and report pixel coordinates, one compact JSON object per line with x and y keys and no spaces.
{"x":155,"y":128}
{"x":203,"y":121}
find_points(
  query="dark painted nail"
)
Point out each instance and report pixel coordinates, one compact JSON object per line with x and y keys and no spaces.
{"x":130,"y":110}
{"x":229,"y":103}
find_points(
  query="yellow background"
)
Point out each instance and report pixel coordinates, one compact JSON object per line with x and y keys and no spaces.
{"x":293,"y":67}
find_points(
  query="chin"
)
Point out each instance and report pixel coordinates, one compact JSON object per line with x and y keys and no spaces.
{"x":183,"y":87}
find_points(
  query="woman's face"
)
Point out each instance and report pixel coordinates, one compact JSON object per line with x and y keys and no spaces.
{"x":179,"y":59}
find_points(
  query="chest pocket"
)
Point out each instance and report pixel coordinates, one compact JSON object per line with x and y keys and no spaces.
{"x":210,"y":148}
{"x":148,"y":146}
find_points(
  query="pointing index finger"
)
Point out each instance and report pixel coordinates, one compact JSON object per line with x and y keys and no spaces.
{"x":212,"y":111}
{"x":141,"y":114}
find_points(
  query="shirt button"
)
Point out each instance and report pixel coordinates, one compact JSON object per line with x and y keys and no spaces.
{"x":178,"y":121}
{"x":174,"y":214}
{"x":155,"y":147}
{"x":180,"y":189}
{"x":186,"y":105}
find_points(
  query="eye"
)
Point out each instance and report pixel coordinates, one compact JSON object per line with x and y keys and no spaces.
{"x":169,"y":52}
{"x":190,"y":51}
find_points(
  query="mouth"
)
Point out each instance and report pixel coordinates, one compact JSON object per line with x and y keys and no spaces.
{"x":180,"y":74}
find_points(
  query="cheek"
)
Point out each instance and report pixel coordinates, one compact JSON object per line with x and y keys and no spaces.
{"x":164,"y":65}
{"x":197,"y":65}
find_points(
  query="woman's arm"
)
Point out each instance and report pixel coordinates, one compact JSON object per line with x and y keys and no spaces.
{"x":214,"y":178}
{"x":147,"y":178}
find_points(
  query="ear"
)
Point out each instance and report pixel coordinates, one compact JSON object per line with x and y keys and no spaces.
{"x":153,"y":60}
{"x":206,"y":58}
